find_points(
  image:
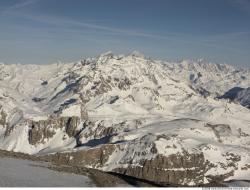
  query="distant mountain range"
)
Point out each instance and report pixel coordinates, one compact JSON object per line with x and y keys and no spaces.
{"x":185,"y":123}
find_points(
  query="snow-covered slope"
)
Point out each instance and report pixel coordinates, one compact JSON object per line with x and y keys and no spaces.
{"x":141,"y":114}
{"x":209,"y":77}
{"x":24,"y":173}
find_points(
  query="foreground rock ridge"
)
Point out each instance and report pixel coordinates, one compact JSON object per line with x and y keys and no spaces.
{"x":185,"y":123}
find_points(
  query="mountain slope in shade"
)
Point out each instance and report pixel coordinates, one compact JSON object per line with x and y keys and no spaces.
{"x":239,"y":95}
{"x":145,"y":118}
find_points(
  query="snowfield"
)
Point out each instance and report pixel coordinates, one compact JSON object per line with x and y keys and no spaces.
{"x":150,"y":119}
{"x":24,"y":173}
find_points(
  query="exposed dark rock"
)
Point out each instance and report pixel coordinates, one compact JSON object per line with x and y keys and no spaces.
{"x":113,"y":99}
{"x":68,"y":102}
{"x":175,"y":169}
{"x":123,"y":84}
{"x":8,"y":130}
{"x":92,"y":158}
{"x":39,"y":132}
{"x":131,"y":97}
{"x":218,"y":179}
{"x":246,"y":167}
{"x":42,"y":130}
{"x":44,"y":83}
{"x":98,"y":132}
{"x":232,"y":159}
{"x":242,"y":134}
{"x":3,"y":118}
{"x":35,"y":99}
{"x":71,"y":126}
{"x":85,"y":62}
{"x":203,"y":92}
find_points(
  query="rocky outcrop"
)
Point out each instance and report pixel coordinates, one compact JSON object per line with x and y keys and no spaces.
{"x":3,"y":117}
{"x":177,"y":169}
{"x":184,"y":169}
{"x":92,"y":158}
{"x":8,"y":130}
{"x":123,"y":84}
{"x":96,"y":132}
{"x":40,"y":131}
{"x":71,"y":126}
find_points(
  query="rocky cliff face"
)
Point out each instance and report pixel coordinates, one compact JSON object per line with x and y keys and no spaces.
{"x":176,"y":169}
{"x":132,"y":115}
{"x":45,"y":129}
{"x":3,"y":116}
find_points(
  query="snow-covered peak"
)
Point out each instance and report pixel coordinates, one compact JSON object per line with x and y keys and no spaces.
{"x":205,"y":66}
{"x":103,"y":58}
{"x":107,"y":54}
{"x":137,"y":54}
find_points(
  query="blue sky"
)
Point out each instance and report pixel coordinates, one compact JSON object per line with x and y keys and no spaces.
{"x":45,"y":31}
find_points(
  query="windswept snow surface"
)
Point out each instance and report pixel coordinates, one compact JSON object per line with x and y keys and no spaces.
{"x":24,"y":173}
{"x":238,"y":184}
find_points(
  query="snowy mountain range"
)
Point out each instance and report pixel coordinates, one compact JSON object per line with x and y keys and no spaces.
{"x":185,"y":123}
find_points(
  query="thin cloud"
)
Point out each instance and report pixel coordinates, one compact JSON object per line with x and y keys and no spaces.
{"x":74,"y":25}
{"x":117,"y":31}
{"x":19,"y":5}
{"x":56,"y":21}
{"x":66,"y":23}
